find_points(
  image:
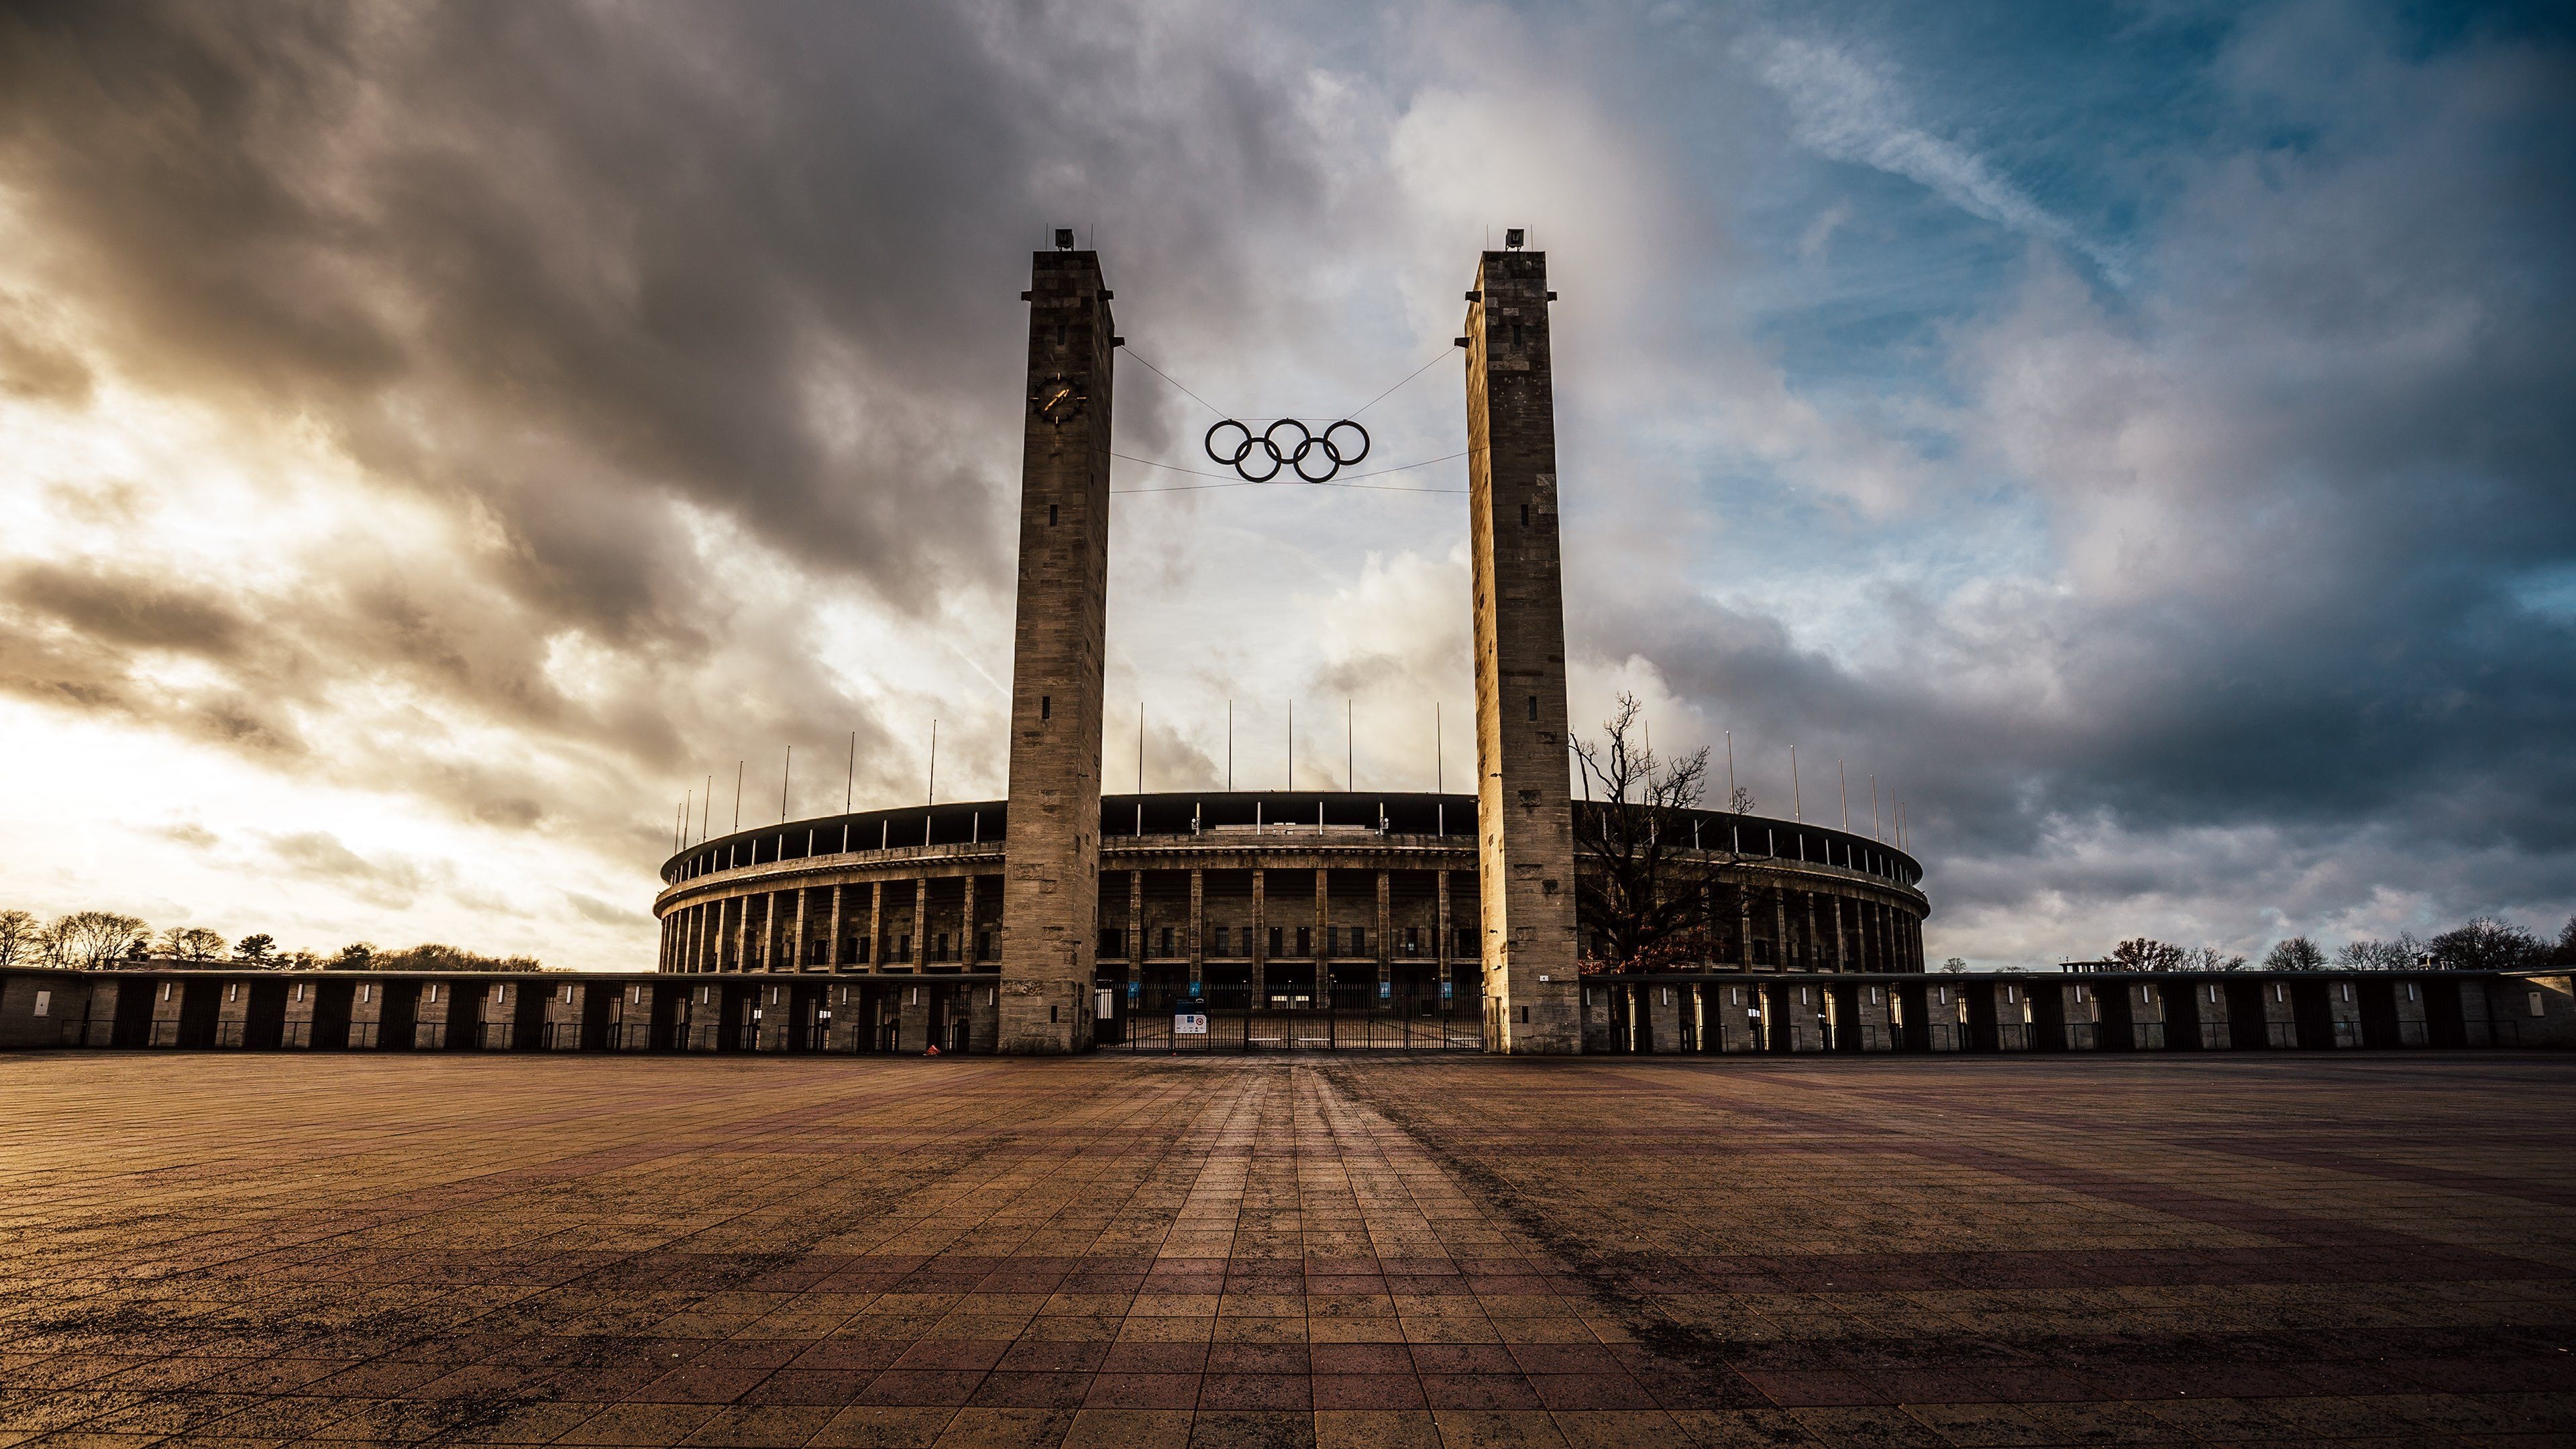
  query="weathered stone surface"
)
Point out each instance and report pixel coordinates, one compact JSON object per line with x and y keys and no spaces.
{"x":610,"y":1250}
{"x":1051,"y":877}
{"x":1525,"y":811}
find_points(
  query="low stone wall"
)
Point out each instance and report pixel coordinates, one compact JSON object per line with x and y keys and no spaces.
{"x":1692,"y":1014}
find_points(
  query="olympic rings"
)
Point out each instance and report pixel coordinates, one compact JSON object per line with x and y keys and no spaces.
{"x":1308,"y":444}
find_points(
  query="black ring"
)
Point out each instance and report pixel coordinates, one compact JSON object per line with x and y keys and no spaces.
{"x":1241,"y":451}
{"x":1309,"y":443}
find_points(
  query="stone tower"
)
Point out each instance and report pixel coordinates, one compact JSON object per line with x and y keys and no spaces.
{"x":1524,"y":807}
{"x":1051,"y":881}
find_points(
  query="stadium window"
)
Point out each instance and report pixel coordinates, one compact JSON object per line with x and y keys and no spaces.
{"x":44,"y":1003}
{"x":2536,"y":1008}
{"x":1167,"y":940}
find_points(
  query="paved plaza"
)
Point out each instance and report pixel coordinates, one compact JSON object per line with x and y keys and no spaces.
{"x":1439,"y":1250}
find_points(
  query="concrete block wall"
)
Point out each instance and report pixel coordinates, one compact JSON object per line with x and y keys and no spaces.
{"x":1945,"y":1006}
{"x":41,"y":1011}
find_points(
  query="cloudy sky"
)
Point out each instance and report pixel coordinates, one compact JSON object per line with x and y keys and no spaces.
{"x":435,"y":438}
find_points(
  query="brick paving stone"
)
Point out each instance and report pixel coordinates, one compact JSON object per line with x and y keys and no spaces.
{"x":211,"y":1249}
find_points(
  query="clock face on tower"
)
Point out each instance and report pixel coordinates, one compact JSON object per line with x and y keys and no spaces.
{"x":1058,"y":401}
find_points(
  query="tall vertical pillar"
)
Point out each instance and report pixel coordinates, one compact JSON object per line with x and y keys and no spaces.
{"x":1136,"y":944}
{"x":1440,"y":919}
{"x":1051,"y":881}
{"x":1323,"y":990}
{"x":1385,"y":932}
{"x":1525,"y":809}
{"x":1198,"y":928}
{"x":833,"y":954}
{"x":920,"y":953}
{"x":1260,"y":939}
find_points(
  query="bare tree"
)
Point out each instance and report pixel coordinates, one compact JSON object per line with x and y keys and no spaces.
{"x":2209,"y":958}
{"x":89,"y":940}
{"x":431,"y":956}
{"x":1653,"y":894}
{"x":2368,"y":954}
{"x":2295,"y":954}
{"x":2148,"y":954}
{"x":2486,"y":944}
{"x":192,"y":943}
{"x":20,"y":938}
{"x":1954,"y":966}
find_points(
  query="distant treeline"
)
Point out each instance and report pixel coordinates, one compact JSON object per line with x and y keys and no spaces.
{"x":101,"y":940}
{"x":2483,"y":944}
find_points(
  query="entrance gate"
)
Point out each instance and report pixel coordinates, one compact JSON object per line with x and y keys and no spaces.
{"x":1173,"y":1022}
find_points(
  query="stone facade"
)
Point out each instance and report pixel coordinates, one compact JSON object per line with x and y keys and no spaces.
{"x":1524,"y":806}
{"x":1049,"y":907}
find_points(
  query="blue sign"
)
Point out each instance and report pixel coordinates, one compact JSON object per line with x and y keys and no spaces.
{"x":1385,"y":989}
{"x":1135,"y":989}
{"x":1444,"y":990}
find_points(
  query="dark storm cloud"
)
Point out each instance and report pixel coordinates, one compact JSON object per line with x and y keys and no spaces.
{"x":669,"y":245}
{"x":580,"y":276}
{"x":2304,"y":492}
{"x":2302,"y":638}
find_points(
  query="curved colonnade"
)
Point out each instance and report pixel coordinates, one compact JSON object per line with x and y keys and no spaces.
{"x":1244,"y":899}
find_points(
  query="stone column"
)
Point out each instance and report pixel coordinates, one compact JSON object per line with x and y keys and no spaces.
{"x":1135,"y":924}
{"x":1877,"y":1017}
{"x":1779,"y":931}
{"x":1323,"y":937}
{"x":1260,"y":939}
{"x":1525,"y":814}
{"x":876,"y":926}
{"x":912,"y":1012}
{"x":966,"y":926}
{"x":1385,"y":928}
{"x":832,"y":952}
{"x":496,"y":1010}
{"x":921,"y":922}
{"x":2344,"y":1003}
{"x":1198,"y":926}
{"x":741,"y":933}
{"x":1440,"y":911}
{"x":1734,"y":1011}
{"x":2413,"y":1029}
{"x":564,"y":1006}
{"x":1811,"y":957}
{"x":298,"y":1027}
{"x":800,"y":947}
{"x":366,"y":1014}
{"x":1051,"y":885}
{"x":1666,"y":1007}
{"x":2147,"y":1029}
